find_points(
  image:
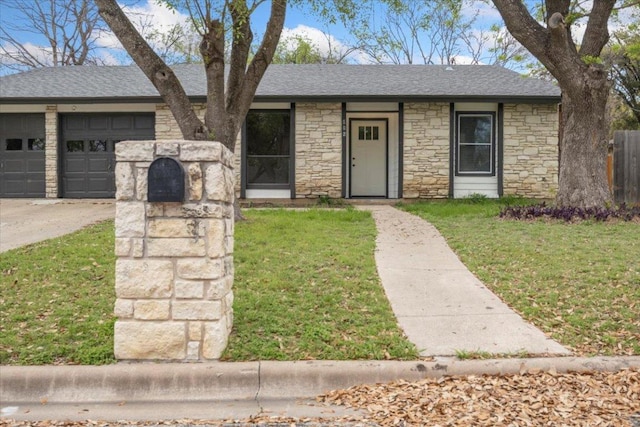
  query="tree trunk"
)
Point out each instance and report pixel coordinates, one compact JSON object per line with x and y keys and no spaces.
{"x":584,"y":145}
{"x":583,"y":140}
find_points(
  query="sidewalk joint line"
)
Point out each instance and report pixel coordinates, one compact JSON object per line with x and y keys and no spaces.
{"x":257,"y":396}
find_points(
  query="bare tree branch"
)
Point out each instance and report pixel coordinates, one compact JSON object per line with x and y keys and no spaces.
{"x":71,"y":28}
{"x":154,"y":68}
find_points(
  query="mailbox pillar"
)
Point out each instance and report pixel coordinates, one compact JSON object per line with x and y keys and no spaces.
{"x":174,"y":267}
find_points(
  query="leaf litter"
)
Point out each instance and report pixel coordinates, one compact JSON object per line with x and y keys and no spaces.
{"x":531,"y":398}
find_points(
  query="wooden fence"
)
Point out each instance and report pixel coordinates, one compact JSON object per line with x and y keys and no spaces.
{"x":626,"y":167}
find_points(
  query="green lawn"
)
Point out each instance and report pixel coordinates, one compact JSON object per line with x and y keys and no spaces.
{"x":579,"y":282}
{"x":56,"y":300}
{"x":306,"y":288}
{"x":306,"y":285}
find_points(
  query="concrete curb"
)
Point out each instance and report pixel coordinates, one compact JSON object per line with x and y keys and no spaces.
{"x":220,"y":381}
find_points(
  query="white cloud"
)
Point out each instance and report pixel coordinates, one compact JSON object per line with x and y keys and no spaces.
{"x":463,"y":60}
{"x":316,"y":37}
{"x":324,"y":42}
{"x":147,"y":17}
{"x":485,"y":11}
{"x":39,"y":54}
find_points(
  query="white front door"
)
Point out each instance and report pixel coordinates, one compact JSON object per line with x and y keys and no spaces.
{"x":368,"y":158}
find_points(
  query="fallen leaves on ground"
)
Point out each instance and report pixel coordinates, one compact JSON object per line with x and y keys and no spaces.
{"x":531,"y":399}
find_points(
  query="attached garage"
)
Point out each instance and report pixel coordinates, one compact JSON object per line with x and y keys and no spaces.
{"x":22,"y":155}
{"x":88,"y":150}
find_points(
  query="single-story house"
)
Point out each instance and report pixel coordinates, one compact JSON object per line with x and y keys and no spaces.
{"x":372,"y":131}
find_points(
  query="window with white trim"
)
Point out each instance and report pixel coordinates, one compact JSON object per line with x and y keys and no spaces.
{"x":475,"y":144}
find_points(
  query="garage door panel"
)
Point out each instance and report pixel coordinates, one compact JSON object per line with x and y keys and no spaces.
{"x":75,"y":165}
{"x":98,"y":123}
{"x":36,"y":186}
{"x":35,"y":166}
{"x":22,"y":156}
{"x":89,"y":156}
{"x":123,"y":122}
{"x":100,"y":184}
{"x":13,"y":188}
{"x":98,"y":165}
{"x":145,"y":122}
{"x":75,"y":184}
{"x":73,"y":123}
{"x":13,"y":165}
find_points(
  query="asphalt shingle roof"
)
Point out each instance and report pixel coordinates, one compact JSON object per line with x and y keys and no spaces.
{"x":286,"y":82}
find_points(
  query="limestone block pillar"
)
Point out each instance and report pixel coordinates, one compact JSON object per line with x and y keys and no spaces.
{"x":174,"y":268}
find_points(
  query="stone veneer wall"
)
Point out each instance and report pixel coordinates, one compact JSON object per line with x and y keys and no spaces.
{"x":174,"y":268}
{"x":531,"y":150}
{"x":51,"y":151}
{"x":167,"y":128}
{"x":318,"y":150}
{"x":426,"y":150}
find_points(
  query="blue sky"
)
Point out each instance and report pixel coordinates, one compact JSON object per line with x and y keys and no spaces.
{"x":298,"y":22}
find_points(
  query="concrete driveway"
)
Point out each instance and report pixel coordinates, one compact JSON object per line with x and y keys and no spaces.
{"x":25,"y":221}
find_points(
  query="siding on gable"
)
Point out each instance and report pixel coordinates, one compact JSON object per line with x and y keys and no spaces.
{"x":531,"y":150}
{"x":426,"y":150}
{"x":318,"y":150}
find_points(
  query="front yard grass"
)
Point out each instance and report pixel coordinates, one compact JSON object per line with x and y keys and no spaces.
{"x":56,"y":300}
{"x":578,"y":282}
{"x":306,"y":288}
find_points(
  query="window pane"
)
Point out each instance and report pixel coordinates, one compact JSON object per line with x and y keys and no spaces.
{"x":13,"y":144}
{"x":475,"y":158}
{"x":75,"y":146}
{"x":361,"y":133}
{"x":268,"y":133}
{"x":97,"y":145}
{"x":475,"y":130}
{"x":376,"y":132}
{"x":36,"y":144}
{"x":267,"y":170}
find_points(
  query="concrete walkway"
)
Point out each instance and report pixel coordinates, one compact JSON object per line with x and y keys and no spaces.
{"x":441,"y":306}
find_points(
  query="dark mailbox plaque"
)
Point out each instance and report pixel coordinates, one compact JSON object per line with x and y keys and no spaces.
{"x":166,"y":181}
